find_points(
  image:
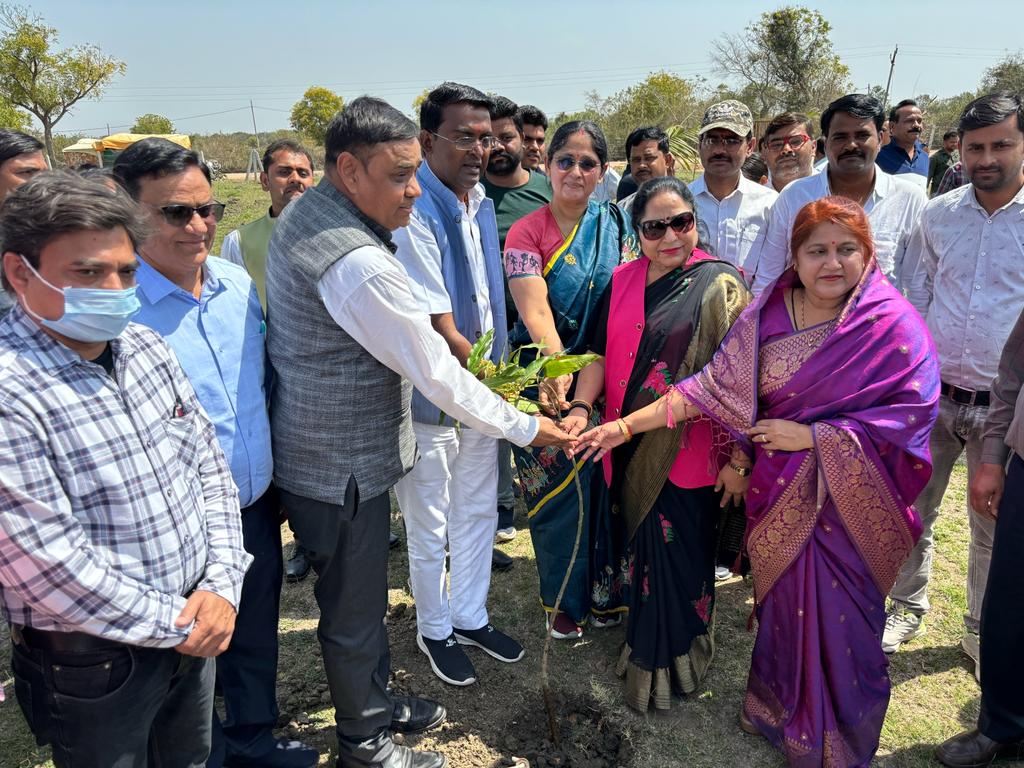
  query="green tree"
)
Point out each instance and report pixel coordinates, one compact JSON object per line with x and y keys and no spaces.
{"x":312,"y":113}
{"x":43,"y":80}
{"x":150,"y":123}
{"x":1007,"y":75}
{"x":419,"y":100}
{"x":785,"y":60}
{"x":10,"y":117}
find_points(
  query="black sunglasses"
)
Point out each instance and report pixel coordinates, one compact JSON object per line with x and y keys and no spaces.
{"x":655,"y":229}
{"x":180,"y":215}
{"x":567,"y":163}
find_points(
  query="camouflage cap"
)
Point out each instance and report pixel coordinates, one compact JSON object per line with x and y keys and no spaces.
{"x":729,"y":114}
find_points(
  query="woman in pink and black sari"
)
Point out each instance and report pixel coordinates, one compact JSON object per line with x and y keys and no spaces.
{"x":830,"y":380}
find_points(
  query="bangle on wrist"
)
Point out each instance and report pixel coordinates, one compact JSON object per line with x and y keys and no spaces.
{"x":584,"y":405}
{"x":624,"y":430}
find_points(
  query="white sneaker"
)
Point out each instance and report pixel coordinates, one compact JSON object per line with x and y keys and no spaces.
{"x":900,"y":626}
{"x":722,"y":573}
{"x":971,"y":645}
{"x":607,"y":621}
{"x":505,"y":534}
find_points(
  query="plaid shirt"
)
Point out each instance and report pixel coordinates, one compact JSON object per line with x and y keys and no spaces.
{"x":953,"y":178}
{"x":115,"y":498}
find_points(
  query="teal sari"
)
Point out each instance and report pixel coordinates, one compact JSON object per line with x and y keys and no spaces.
{"x":577,"y":274}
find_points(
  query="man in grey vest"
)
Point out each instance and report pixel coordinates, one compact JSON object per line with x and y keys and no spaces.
{"x":348,"y":341}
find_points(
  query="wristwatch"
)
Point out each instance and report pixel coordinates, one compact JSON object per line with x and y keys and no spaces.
{"x":741,"y":471}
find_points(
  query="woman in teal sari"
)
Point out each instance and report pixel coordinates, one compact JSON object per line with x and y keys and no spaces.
{"x":559,"y":261}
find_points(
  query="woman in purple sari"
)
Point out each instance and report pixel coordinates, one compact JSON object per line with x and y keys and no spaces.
{"x":830,"y":381}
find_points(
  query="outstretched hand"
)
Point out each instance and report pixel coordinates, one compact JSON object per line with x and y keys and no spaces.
{"x":552,"y":393}
{"x":551,"y":433}
{"x":599,"y":441}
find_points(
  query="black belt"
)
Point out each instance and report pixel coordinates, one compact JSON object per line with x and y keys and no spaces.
{"x":61,"y":642}
{"x":964,"y":396}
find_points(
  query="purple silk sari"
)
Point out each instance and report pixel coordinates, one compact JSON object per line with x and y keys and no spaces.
{"x":828,"y":528}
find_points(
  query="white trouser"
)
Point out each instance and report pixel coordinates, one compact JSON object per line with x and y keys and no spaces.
{"x":450,"y":497}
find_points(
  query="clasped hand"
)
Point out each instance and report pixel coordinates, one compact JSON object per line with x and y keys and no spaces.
{"x":781,"y":435}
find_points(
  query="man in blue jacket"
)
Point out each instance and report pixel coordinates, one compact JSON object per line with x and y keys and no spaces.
{"x":450,"y":251}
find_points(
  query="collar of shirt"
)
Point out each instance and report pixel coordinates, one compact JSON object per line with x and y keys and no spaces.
{"x":155,"y":287}
{"x":456,"y":208}
{"x":881,"y":188}
{"x":49,"y":353}
{"x":970,"y":199}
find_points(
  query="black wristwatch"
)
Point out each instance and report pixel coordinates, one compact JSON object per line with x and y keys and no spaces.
{"x":741,"y":471}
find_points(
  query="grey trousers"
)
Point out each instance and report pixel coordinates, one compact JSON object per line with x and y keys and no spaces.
{"x":347,"y":546}
{"x":957,"y":429}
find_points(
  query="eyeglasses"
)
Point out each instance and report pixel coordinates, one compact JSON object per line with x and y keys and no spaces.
{"x":568,"y":162}
{"x":656,"y":228}
{"x":794,"y":142}
{"x":180,"y":215}
{"x":730,"y":142}
{"x":468,"y":143}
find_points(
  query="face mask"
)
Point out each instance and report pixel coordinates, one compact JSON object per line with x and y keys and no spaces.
{"x":90,"y":314}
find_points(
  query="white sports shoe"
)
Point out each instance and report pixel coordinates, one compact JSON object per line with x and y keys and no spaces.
{"x":722,"y":573}
{"x":505,"y":534}
{"x":901,"y":625}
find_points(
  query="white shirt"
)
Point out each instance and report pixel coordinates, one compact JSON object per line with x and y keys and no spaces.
{"x":607,"y":189}
{"x":893,"y":208}
{"x":419,"y":253}
{"x":368,"y":295}
{"x":964,"y":272}
{"x":231,"y":248}
{"x":735,"y":226}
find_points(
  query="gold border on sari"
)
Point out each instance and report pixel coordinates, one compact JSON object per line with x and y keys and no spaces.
{"x":873,"y":517}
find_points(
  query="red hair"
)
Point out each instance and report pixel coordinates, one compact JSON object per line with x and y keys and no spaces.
{"x":835,"y":209}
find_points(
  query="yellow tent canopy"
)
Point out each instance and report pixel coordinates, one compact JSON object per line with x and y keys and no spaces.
{"x":121,"y":141}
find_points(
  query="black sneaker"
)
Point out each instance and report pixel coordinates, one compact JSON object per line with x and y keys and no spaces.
{"x":448,"y":660}
{"x":497,"y":644}
{"x":500,"y":561}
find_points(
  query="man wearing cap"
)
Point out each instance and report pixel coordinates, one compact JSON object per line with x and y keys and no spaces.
{"x":733,"y":208}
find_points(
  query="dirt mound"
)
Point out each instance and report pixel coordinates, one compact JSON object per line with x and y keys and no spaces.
{"x":591,"y":737}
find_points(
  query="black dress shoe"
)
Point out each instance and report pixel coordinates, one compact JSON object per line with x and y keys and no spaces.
{"x":403,"y":757}
{"x":973,"y":749}
{"x":500,"y":561}
{"x":284,"y":754}
{"x":393,"y":540}
{"x":296,"y":567}
{"x":415,"y":715}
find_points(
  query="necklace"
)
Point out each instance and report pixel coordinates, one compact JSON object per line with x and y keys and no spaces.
{"x":803,"y":303}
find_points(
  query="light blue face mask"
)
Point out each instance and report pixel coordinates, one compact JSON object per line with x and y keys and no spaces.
{"x":90,"y":314}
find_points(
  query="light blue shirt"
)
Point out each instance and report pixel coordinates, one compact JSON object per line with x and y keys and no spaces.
{"x":219,"y":340}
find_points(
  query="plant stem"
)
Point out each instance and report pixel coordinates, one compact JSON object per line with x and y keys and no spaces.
{"x":545,"y":681}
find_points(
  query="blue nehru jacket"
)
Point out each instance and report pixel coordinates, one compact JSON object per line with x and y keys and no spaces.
{"x":219,"y":340}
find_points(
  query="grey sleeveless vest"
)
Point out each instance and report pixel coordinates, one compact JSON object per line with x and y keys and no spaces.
{"x":335,"y":411}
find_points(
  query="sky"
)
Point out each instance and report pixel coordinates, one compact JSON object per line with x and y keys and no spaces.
{"x":200,"y":64}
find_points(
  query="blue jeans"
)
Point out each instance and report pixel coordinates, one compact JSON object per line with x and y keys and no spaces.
{"x":117,"y":707}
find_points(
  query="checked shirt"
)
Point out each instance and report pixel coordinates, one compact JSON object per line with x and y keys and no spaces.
{"x":115,"y":498}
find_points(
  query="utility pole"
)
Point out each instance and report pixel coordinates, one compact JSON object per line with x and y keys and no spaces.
{"x":255,"y":133}
{"x":892,"y":66}
{"x":108,"y":133}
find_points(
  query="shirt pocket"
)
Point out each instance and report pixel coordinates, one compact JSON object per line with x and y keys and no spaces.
{"x":183,"y":443}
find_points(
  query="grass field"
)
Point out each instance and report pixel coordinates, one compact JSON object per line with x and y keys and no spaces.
{"x":934,"y":692}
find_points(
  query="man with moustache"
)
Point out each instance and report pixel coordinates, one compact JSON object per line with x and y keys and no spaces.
{"x":851,"y":126}
{"x":515,"y":190}
{"x":905,"y":154}
{"x":208,"y":312}
{"x":649,"y":158}
{"x":287,"y":173}
{"x":965,"y":274}
{"x":450,"y":250}
{"x":732,"y":207}
{"x":535,"y":126}
{"x":348,"y":341}
{"x":788,"y":149}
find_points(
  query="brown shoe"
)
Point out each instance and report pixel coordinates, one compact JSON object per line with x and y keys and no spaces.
{"x":973,"y":749}
{"x":746,"y":726}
